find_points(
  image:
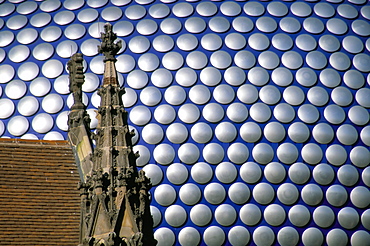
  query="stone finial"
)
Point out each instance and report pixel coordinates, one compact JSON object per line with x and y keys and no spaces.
{"x":76,"y":78}
{"x":108,"y":48}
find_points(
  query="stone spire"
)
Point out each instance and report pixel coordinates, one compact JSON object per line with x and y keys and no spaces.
{"x":114,"y":195}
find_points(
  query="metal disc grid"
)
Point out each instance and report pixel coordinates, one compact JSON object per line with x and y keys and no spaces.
{"x":251,"y":117}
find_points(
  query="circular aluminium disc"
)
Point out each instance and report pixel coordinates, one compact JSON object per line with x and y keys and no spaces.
{"x":235,"y":41}
{"x":313,"y":25}
{"x":263,"y":193}
{"x":330,"y":77}
{"x":324,"y":10}
{"x":170,"y":25}
{"x":28,"y":106}
{"x":18,"y":125}
{"x":210,"y":76}
{"x":15,"y":89}
{"x":299,"y":173}
{"x":19,"y":53}
{"x":292,"y":60}
{"x":187,"y":42}
{"x":234,"y":76}
{"x":219,"y":24}
{"x":51,"y":33}
{"x":52,"y":103}
{"x":172,"y":60}
{"x":159,"y":11}
{"x":135,"y":12}
{"x":258,"y":41}
{"x":182,"y":9}
{"x":339,"y":61}
{"x":139,"y":44}
{"x":64,"y":17}
{"x":88,"y":15}
{"x":137,"y":79}
{"x":287,"y":153}
{"x":250,"y":172}
{"x":269,"y":94}
{"x":146,"y":27}
{"x":282,"y":76}
{"x":323,"y":174}
{"x":242,"y":24}
{"x":352,"y":44}
{"x":206,"y":8}
{"x":148,"y":62}
{"x":282,"y":41}
{"x":268,"y":60}
{"x":250,"y":214}
{"x":230,"y":9}
{"x":262,"y":153}
{"x":28,"y":71}
{"x":175,"y":95}
{"x":260,"y":112}
{"x":253,"y":8}
{"x":44,"y":51}
{"x":293,"y":95}
{"x":258,"y":76}
{"x":27,"y":36}
{"x":199,"y":94}
{"x":195,"y":25}
{"x":40,"y":20}
{"x":75,"y":31}
{"x":188,"y":113}
{"x":150,"y":96}
{"x":298,"y":132}
{"x":306,"y":77}
{"x":284,"y":113}
{"x":316,"y":60}
{"x":311,"y":153}
{"x":214,"y":193}
{"x":277,"y":9}
{"x":201,"y":132}
{"x":305,"y":42}
{"x":211,"y":42}
{"x":197,"y":60}
{"x":290,"y":25}
{"x":163,"y":43}
{"x":220,"y":59}
{"x":341,"y":96}
{"x":16,"y":22}
{"x":300,"y":9}
{"x":52,"y":68}
{"x":250,"y":132}
{"x":317,"y":96}
{"x":266,"y":24}
{"x":8,"y":108}
{"x":329,"y":43}
{"x":244,"y":59}
{"x":161,"y":78}
{"x":225,"y":132}
{"x":362,"y":62}
{"x":164,"y":114}
{"x":312,"y":194}
{"x":334,"y":114}
{"x":361,"y":27}
{"x":6,"y":37}
{"x":213,"y":112}
{"x":177,"y":133}
{"x":224,"y":94}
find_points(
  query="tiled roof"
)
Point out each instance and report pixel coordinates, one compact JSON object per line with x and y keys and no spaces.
{"x":39,"y":201}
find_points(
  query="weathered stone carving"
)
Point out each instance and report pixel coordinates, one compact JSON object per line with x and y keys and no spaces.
{"x":114,"y":195}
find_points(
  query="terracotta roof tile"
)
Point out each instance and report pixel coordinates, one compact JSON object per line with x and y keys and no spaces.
{"x":39,"y":202}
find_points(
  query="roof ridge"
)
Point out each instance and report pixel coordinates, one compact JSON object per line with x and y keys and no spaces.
{"x":32,"y":142}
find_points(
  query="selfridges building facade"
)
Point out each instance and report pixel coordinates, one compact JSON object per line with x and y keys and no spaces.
{"x":251,"y":117}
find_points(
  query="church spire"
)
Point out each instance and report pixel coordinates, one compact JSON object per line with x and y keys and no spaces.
{"x":109,"y":49}
{"x":115,"y":207}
